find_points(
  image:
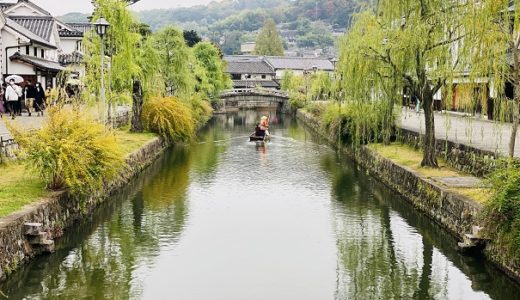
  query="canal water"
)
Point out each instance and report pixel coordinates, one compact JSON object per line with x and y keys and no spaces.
{"x":229,"y":219}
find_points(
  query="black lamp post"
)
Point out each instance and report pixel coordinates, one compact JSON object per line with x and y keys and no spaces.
{"x":101,"y":26}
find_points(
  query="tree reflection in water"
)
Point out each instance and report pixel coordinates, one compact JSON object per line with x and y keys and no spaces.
{"x":321,"y":215}
{"x":117,"y":247}
{"x":386,"y":250}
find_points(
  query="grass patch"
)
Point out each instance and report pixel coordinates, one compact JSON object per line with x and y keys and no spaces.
{"x":407,"y":156}
{"x":131,"y":141}
{"x":481,"y":195}
{"x":404,"y":155}
{"x":18,"y":188}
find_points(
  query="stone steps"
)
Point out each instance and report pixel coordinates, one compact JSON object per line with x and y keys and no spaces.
{"x":38,"y":238}
{"x":474,"y":241}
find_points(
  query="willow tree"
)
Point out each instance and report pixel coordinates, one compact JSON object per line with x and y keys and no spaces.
{"x":120,"y":45}
{"x":147,"y":80}
{"x":495,"y":37}
{"x":176,"y":66}
{"x":212,"y":77}
{"x":268,"y":41}
{"x":405,"y":44}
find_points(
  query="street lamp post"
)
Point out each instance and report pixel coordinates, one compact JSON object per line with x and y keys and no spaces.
{"x":101,"y":26}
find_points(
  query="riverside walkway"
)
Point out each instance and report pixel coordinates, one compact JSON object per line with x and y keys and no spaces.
{"x":471,"y":131}
{"x":24,"y":122}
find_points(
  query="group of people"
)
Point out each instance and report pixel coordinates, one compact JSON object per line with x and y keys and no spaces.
{"x":14,"y":98}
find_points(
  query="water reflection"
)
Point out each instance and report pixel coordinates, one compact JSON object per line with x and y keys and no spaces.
{"x":388,"y":251}
{"x":228,"y":219}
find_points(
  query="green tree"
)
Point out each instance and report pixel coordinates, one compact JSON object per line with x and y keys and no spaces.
{"x":408,"y":44}
{"x":215,"y":79}
{"x":191,"y":37}
{"x":121,"y":44}
{"x":268,"y":41}
{"x":496,"y":40}
{"x":175,"y":67}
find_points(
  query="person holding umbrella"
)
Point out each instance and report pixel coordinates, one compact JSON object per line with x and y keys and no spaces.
{"x":15,"y":107}
{"x":13,"y":93}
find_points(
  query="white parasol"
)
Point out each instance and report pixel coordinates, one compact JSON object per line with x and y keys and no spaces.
{"x":16,"y":78}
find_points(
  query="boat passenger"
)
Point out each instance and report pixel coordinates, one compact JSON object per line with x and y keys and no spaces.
{"x":258,"y":131}
{"x":262,"y":128}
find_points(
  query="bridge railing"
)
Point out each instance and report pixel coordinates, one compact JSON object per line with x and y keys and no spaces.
{"x":253,"y":91}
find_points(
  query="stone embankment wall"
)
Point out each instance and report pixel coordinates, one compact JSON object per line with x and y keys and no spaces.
{"x":61,"y":210}
{"x":454,"y":212}
{"x":461,"y":157}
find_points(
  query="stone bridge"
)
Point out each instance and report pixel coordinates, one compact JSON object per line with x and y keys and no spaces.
{"x":254,"y":98}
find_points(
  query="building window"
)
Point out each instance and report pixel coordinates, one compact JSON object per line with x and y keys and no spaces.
{"x":35,"y":51}
{"x":235,"y":76}
{"x":26,"y":50}
{"x":42,"y":52}
{"x":263,"y":76}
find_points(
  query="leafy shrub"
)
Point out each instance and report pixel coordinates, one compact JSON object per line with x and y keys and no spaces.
{"x":359,"y":122}
{"x":296,"y":100}
{"x":317,"y":108}
{"x":201,"y":110}
{"x":72,"y":151}
{"x":169,"y":117}
{"x":502,"y":213}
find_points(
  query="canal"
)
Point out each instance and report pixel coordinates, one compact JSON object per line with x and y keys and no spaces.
{"x":228,"y":219}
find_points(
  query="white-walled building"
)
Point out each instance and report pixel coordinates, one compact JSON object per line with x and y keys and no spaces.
{"x":36,"y":45}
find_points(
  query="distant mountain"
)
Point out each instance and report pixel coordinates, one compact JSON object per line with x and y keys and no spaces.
{"x":74,"y":18}
{"x":306,"y":23}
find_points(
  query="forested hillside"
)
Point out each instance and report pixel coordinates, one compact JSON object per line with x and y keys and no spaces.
{"x":310,"y":23}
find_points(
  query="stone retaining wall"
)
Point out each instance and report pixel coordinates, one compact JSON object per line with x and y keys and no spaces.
{"x":60,"y":211}
{"x":454,"y":212}
{"x":461,"y":157}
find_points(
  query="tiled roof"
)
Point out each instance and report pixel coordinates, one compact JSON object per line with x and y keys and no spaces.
{"x":38,"y":62}
{"x":299,"y":63}
{"x":34,"y":6}
{"x":27,"y":33}
{"x":239,"y":58}
{"x":254,"y":83}
{"x":41,"y":26}
{"x":4,"y":6}
{"x":70,"y":58}
{"x":82,"y":27}
{"x":68,"y":33}
{"x":249,"y":67}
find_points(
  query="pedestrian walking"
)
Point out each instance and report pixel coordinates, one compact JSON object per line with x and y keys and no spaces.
{"x":417,"y":103}
{"x":2,"y":100}
{"x":30,"y":96}
{"x":39,"y":100}
{"x":13,"y":94}
{"x":49,"y":99}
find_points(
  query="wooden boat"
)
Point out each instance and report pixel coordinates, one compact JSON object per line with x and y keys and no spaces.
{"x":255,"y":138}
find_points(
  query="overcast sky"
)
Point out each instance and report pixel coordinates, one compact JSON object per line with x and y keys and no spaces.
{"x":61,"y":7}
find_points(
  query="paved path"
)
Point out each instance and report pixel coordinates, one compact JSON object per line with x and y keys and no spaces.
{"x":35,"y":122}
{"x":480,"y":134}
{"x":24,"y":122}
